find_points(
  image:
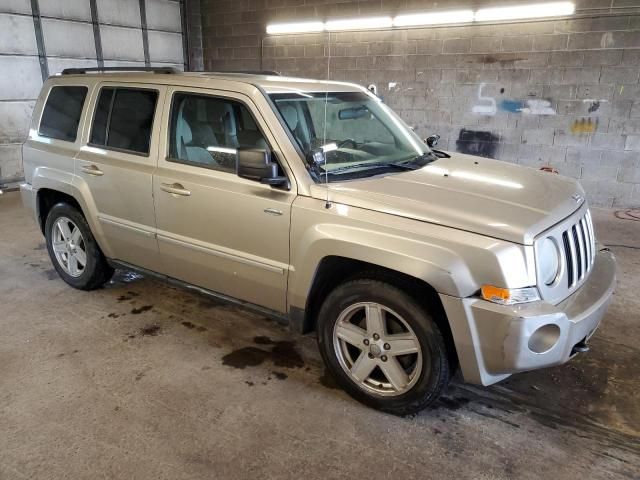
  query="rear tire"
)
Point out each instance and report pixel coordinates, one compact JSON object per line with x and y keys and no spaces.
{"x":73,"y":250}
{"x":382,"y":347}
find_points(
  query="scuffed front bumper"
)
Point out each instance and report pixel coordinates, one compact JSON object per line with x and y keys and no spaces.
{"x":493,"y":341}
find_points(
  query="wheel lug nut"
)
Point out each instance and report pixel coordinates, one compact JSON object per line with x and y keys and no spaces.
{"x":370,"y":355}
{"x":387,"y":346}
{"x":376,"y":336}
{"x":366,"y":341}
{"x":383,"y":358}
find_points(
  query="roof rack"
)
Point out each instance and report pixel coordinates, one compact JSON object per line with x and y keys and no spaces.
{"x":250,"y":72}
{"x":81,"y":71}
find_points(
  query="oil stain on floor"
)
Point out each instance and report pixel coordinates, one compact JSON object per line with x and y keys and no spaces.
{"x":281,"y":353}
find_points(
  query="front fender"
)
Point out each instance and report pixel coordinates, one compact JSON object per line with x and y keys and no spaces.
{"x":453,"y":262}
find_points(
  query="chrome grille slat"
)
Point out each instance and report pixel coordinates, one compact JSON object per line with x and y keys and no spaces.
{"x":587,"y":242}
{"x":579,"y":248}
{"x":573,"y":258}
{"x":592,"y":236}
{"x":568,"y":258}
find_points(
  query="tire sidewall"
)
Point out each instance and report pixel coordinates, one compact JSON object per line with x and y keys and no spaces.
{"x":434,"y":375}
{"x":91,"y":248}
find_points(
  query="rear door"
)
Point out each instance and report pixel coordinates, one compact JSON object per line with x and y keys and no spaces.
{"x":116,"y":168}
{"x":215,"y":229}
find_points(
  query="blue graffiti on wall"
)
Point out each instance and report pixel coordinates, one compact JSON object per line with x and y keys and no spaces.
{"x":512,"y":106}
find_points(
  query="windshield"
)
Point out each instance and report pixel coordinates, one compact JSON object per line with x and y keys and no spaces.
{"x":356,"y":134}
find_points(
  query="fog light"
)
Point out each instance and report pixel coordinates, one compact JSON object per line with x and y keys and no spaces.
{"x":544,"y":338}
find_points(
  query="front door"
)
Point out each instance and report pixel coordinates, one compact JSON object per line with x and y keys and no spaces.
{"x":116,"y":168}
{"x":215,"y":229}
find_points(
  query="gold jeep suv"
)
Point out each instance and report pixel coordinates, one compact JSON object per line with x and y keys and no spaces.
{"x":311,"y":201}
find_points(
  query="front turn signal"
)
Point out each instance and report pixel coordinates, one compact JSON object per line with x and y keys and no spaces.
{"x":509,"y":296}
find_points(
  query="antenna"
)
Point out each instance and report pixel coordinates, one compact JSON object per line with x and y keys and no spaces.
{"x":324,"y":140}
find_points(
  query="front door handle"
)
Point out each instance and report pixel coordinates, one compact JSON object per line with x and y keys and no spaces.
{"x":175,"y":188}
{"x":92,"y":170}
{"x":272,"y":211}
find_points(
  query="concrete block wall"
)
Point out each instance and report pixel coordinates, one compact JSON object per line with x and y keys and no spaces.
{"x":68,"y":38}
{"x":559,"y":93}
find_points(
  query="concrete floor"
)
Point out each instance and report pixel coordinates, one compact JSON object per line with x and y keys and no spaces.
{"x":143,"y":380}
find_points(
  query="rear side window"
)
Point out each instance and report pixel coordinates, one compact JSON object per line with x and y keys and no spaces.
{"x":61,"y":114}
{"x":124,"y":118}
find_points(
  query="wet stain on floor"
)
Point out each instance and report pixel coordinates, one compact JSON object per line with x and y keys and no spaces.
{"x":51,"y":274}
{"x":128,"y":296}
{"x":452,"y":403}
{"x":326,"y":380}
{"x":282,"y":354}
{"x":193,"y":326}
{"x":139,"y":310}
{"x":245,"y":357}
{"x":150,"y":331}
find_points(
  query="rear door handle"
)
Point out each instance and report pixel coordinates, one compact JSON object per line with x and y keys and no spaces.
{"x":175,"y":188}
{"x":92,"y":170}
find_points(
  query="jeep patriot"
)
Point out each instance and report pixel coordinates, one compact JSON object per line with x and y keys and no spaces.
{"x":313,"y":202}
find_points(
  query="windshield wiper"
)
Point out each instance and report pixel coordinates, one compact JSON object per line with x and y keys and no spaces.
{"x":398,"y":166}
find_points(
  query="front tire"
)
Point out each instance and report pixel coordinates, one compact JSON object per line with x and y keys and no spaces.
{"x":73,"y":250}
{"x":382,"y":347}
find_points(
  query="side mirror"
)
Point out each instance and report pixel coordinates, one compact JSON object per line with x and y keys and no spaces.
{"x":255,"y":164}
{"x":432,"y":140}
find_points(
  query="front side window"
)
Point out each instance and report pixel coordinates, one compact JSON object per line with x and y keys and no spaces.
{"x":357,"y":134}
{"x":61,"y":114}
{"x":124,"y":118}
{"x":206,"y":131}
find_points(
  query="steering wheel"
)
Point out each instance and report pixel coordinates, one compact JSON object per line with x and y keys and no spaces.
{"x":346,"y":141}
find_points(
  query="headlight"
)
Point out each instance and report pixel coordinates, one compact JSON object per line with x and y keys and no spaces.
{"x":548,"y":260}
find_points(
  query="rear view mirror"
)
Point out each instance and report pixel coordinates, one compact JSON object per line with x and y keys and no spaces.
{"x":255,"y":164}
{"x":352,"y":113}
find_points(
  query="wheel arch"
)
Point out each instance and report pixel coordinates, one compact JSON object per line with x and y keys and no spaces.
{"x":335,"y":270}
{"x":47,"y":198}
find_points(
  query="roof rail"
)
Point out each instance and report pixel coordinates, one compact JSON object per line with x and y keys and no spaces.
{"x":81,"y":71}
{"x":250,"y":72}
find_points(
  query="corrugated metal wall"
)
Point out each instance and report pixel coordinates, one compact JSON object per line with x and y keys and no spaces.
{"x":73,"y":33}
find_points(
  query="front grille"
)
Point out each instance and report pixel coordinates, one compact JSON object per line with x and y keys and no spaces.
{"x":579,"y":249}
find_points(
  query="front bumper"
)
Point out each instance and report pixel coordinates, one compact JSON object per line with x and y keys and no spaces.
{"x":493,"y":341}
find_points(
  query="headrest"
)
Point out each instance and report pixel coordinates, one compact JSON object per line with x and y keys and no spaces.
{"x":290,"y":115}
{"x":184,"y":131}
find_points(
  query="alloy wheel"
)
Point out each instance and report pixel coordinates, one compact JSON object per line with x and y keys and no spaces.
{"x":377,"y":349}
{"x":69,"y":246}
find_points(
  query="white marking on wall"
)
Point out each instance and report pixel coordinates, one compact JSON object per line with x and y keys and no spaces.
{"x":487,"y":105}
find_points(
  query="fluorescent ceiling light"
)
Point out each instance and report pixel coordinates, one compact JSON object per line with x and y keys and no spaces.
{"x":359,"y":23}
{"x":299,"y":27}
{"x":435,"y":18}
{"x":537,"y":10}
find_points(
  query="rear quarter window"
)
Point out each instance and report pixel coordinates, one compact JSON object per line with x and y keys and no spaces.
{"x":61,"y":114}
{"x":124,"y":119}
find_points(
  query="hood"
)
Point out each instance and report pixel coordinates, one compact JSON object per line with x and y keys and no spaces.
{"x":484,"y":196}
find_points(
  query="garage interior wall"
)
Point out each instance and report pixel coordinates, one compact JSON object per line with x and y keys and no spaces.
{"x":68,"y":39}
{"x":559,"y":93}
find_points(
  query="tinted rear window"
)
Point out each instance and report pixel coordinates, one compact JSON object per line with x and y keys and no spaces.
{"x":61,"y":114}
{"x":124,"y":118}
